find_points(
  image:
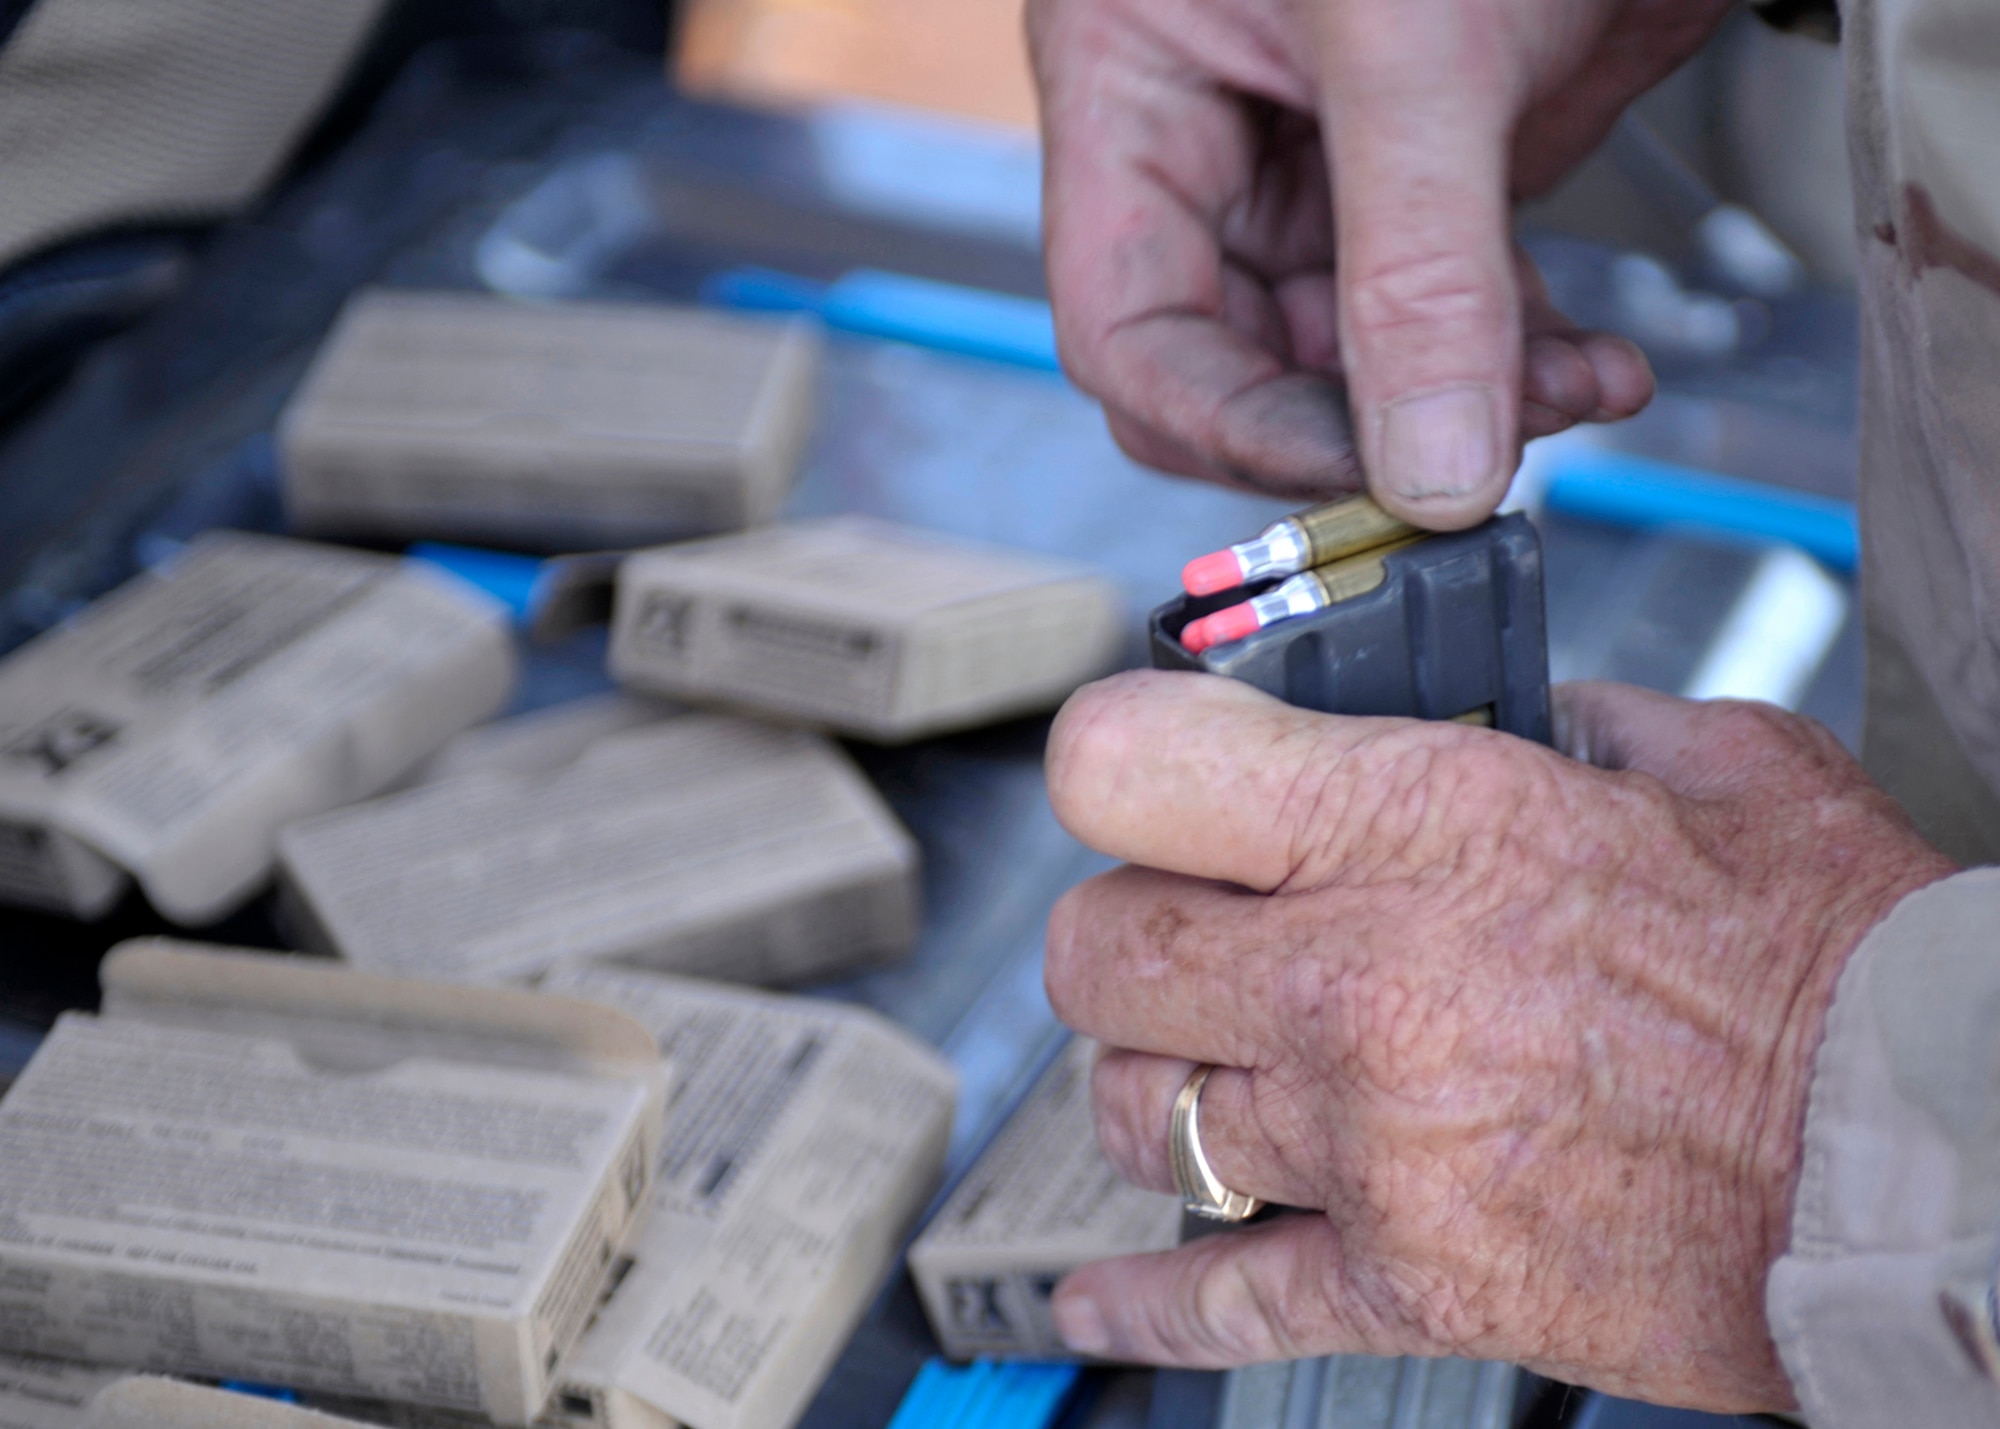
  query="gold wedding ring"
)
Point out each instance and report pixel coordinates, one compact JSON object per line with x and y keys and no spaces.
{"x":1202,"y":1191}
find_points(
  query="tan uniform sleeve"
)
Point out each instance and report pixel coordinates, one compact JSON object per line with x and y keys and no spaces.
{"x":113,"y":112}
{"x":1884,"y":1308}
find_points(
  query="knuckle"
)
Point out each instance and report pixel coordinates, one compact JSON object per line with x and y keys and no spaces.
{"x":1399,"y":1043}
{"x":1486,"y":776}
{"x":1483,"y":796}
{"x":1306,"y":1002}
{"x":1223,"y":1318}
{"x":1230,"y":1317}
{"x":1426,"y":797}
{"x":1423,"y":291}
{"x":1321,"y":809}
{"x":1082,"y":281}
{"x":1752,"y":732}
{"x":1178,"y":1330}
{"x":1388,"y":1012}
{"x":1302,"y":1309}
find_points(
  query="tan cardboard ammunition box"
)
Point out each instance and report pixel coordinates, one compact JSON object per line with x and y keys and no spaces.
{"x":277,"y":1169}
{"x":41,"y":1393}
{"x":171,"y":728}
{"x":1039,"y":1202}
{"x":563,"y":426}
{"x":544,"y":740}
{"x":863,"y":627}
{"x":146,"y":1402}
{"x":803,"y":1139}
{"x":703,"y":844}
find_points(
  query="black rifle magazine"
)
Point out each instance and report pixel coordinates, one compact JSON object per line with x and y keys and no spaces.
{"x":1455,"y":630}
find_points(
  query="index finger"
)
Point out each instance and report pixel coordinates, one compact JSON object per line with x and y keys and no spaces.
{"x":1204,"y":776}
{"x":1142,"y":166}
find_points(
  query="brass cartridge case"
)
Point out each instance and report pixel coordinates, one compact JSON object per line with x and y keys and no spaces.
{"x":1348,"y":527}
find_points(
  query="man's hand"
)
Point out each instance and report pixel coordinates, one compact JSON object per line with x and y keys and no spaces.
{"x":1530,"y":1038}
{"x":1205,"y":292}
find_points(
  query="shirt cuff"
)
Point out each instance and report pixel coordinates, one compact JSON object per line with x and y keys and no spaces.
{"x":1884,"y":1308}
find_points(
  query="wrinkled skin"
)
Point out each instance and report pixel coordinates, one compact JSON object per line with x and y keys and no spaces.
{"x":1530,"y":1036}
{"x":1529,"y":1039}
{"x":1211,"y":292}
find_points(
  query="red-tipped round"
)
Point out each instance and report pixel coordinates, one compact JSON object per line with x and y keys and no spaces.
{"x":1222,"y":627}
{"x":1218,"y":570}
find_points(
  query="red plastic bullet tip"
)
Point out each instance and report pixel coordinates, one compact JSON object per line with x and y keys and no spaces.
{"x":1220,"y":628}
{"x":1216,"y":571}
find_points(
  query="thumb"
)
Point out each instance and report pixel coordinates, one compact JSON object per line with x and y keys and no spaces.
{"x":1418,"y":107}
{"x":1265,"y":1292}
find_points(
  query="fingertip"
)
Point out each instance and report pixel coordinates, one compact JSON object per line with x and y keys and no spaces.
{"x":1090,"y":717}
{"x":1290,"y":435}
{"x":1625,"y":382}
{"x":1096,"y":726}
{"x":1444,"y":457}
{"x":1079,"y":1321}
{"x":1084,"y":733}
{"x":1126,"y":1309}
{"x":1557,"y":375}
{"x":1150,"y":447}
{"x":1216,"y":407}
{"x":1092,"y":740}
{"x":1060,"y":963}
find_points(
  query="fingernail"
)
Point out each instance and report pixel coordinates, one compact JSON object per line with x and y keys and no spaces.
{"x":1081,"y":1324}
{"x":1441,"y":444}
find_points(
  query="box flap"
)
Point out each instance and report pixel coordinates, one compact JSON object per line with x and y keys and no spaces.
{"x":147,"y":1402}
{"x":163,"y":979}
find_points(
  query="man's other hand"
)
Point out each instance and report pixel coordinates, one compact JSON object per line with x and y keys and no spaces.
{"x":1205,"y":292}
{"x":1530,"y":1038}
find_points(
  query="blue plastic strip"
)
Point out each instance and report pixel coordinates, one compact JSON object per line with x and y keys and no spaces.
{"x":978,"y":1397}
{"x":260,"y":1391}
{"x":869,"y":303}
{"x":926,"y":1397}
{"x":1651,"y":495}
{"x":1017,"y":1394}
{"x":514,"y":581}
{"x":997,"y":326}
{"x":764,"y":290}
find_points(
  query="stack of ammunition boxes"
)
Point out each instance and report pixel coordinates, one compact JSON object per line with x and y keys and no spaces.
{"x":521,"y":1144}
